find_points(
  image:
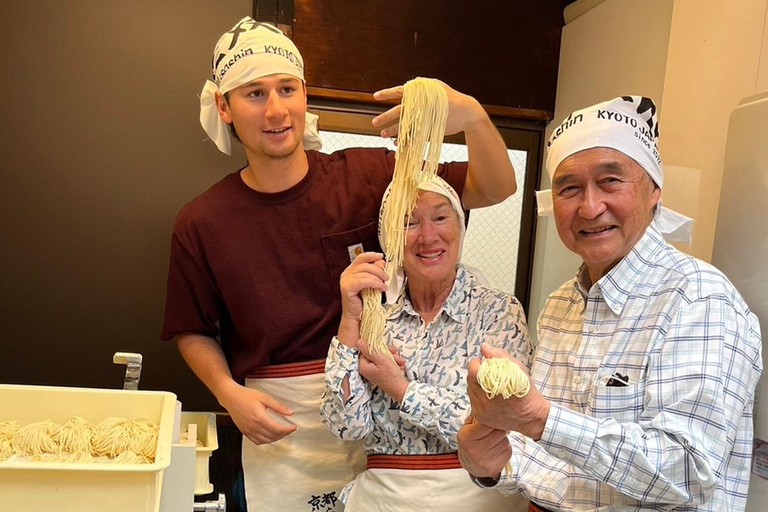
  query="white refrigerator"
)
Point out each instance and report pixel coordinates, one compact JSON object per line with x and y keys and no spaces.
{"x":741,"y":250}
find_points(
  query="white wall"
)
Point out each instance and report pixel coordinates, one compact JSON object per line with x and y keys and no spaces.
{"x":713,"y":59}
{"x":762,"y":70}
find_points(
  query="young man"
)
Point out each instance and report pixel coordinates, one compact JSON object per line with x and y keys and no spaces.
{"x":644,"y":375}
{"x":253,"y":299}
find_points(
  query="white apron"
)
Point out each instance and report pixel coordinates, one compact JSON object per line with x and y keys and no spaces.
{"x":403,"y":483}
{"x":306,"y":470}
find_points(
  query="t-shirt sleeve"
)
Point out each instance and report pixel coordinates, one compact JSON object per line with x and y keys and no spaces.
{"x":192,"y":301}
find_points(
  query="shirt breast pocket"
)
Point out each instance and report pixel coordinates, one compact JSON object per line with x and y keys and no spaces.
{"x":622,"y":403}
{"x":341,"y":248}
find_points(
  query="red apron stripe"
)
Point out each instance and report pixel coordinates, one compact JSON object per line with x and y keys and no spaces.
{"x":438,"y":461}
{"x":278,"y":371}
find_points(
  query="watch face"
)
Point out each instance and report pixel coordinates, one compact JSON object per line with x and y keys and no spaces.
{"x":485,"y":481}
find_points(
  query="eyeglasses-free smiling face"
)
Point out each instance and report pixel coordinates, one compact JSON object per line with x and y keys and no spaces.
{"x":268,"y":114}
{"x":432,"y":240}
{"x":603,"y":202}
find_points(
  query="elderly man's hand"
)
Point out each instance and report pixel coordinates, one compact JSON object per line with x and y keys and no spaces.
{"x":527,"y":415}
{"x":463,"y":111}
{"x":381,"y":370}
{"x":483,"y":450}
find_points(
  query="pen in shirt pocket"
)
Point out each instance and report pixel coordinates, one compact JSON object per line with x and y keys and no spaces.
{"x":617,"y":380}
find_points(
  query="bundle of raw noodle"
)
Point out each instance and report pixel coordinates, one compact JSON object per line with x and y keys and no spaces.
{"x":501,"y":376}
{"x":423,"y":116}
{"x":8,"y":431}
{"x":112,"y":440}
{"x":74,"y":438}
{"x":36,"y":439}
{"x":114,"y":437}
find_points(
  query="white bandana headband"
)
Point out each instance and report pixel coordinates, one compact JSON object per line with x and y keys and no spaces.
{"x":627,"y":124}
{"x":249,"y":51}
{"x":435,"y":184}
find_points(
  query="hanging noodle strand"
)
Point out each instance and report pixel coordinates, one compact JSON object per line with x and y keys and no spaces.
{"x":423,"y":115}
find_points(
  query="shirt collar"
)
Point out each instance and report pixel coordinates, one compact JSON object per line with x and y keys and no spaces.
{"x":454,"y":306}
{"x":581,"y":281}
{"x":617,"y":284}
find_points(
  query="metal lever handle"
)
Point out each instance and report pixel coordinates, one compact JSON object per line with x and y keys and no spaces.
{"x":132,"y":364}
{"x":212,"y":506}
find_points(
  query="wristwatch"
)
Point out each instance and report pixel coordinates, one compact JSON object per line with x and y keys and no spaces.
{"x":484,"y":481}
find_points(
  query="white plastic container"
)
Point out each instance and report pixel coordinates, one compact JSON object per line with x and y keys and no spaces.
{"x":85,"y":487}
{"x":206,"y":434}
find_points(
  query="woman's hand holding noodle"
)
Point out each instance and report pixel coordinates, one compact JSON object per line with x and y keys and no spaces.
{"x":526,"y":415}
{"x":366,"y":271}
{"x":250,"y":410}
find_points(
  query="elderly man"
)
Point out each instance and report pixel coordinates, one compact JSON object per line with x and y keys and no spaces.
{"x":644,"y":375}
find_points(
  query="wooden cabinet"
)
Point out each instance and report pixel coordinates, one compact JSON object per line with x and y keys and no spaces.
{"x":501,"y":52}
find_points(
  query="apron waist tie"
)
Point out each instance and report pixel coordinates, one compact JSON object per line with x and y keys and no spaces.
{"x":532,"y":507}
{"x":280,"y":371}
{"x":437,"y":461}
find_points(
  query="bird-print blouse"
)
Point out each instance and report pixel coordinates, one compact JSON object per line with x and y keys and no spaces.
{"x":435,"y":403}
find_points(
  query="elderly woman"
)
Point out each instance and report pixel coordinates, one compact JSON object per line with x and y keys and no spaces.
{"x":409,"y":408}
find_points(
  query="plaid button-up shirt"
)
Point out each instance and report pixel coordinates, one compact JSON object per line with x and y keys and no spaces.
{"x":673,"y":430}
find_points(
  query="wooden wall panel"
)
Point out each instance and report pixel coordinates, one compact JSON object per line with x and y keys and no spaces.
{"x":101,"y":147}
{"x":502,"y":53}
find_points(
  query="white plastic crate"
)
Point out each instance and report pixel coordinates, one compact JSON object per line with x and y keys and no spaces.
{"x":92,"y":486}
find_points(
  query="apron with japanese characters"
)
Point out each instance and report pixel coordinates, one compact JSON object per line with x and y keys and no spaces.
{"x":306,"y":470}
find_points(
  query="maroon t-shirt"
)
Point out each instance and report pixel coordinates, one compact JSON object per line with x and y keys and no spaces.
{"x":261,"y":271}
